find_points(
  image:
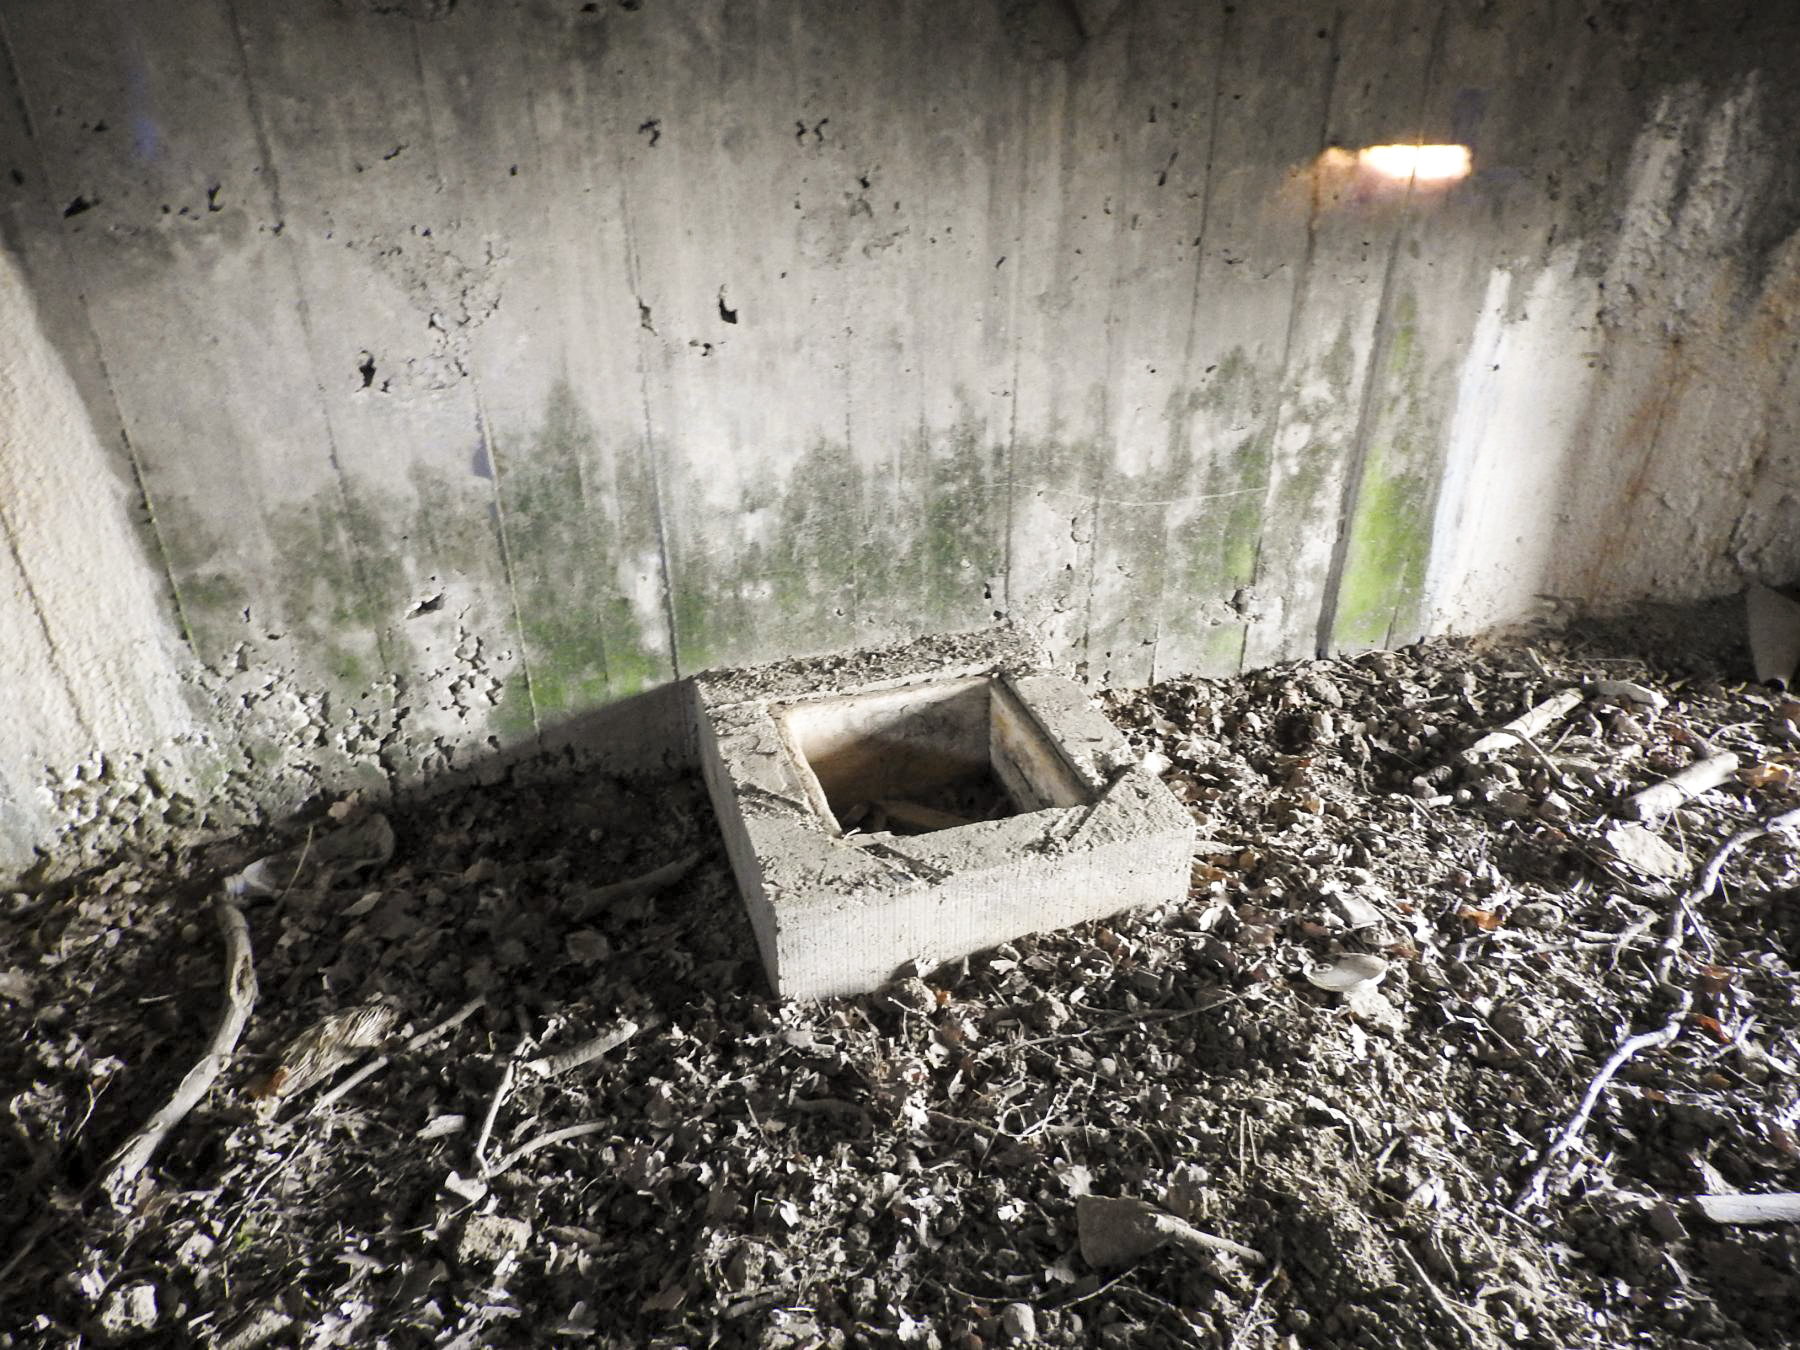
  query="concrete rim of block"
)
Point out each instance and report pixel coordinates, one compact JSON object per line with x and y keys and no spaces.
{"x":1092,"y":833}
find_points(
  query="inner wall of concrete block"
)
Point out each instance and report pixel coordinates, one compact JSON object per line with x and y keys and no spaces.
{"x":425,"y":382}
{"x":928,"y":757}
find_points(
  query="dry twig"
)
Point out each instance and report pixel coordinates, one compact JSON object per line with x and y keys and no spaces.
{"x":506,"y":1162}
{"x":549,"y":1066}
{"x":487,"y":1123}
{"x":1532,"y":1192}
{"x":1661,"y":798}
{"x":240,"y":997}
{"x":1680,"y":913}
{"x":649,"y":883}
{"x":1527,"y":724}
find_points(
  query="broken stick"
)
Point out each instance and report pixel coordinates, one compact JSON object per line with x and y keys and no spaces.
{"x":505,"y":1163}
{"x":487,"y":1123}
{"x":1661,"y":798}
{"x":1780,"y":1207}
{"x":1527,"y":724}
{"x":602,"y":897}
{"x":573,"y":1058}
{"x":240,"y":997}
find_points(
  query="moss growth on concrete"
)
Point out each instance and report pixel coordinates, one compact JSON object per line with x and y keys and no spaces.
{"x":1214,"y":539}
{"x":827,"y":552}
{"x":339,"y":604}
{"x":578,"y":514}
{"x":1380,"y":589}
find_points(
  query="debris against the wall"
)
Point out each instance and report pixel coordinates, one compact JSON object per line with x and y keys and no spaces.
{"x":599,"y":1125}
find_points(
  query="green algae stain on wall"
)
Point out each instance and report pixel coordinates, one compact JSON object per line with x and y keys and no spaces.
{"x":580,"y":522}
{"x":311,"y":593}
{"x":340,"y":604}
{"x":830,"y":554}
{"x":958,"y":525}
{"x":1214,"y":535}
{"x":773,"y":575}
{"x":1381,"y":586}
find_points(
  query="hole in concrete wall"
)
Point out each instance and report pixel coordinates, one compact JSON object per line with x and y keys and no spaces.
{"x":927,"y":758}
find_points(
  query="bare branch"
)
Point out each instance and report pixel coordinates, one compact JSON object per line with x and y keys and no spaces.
{"x":240,"y":997}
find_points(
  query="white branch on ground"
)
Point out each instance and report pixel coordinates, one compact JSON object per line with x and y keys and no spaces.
{"x":134,"y":1155}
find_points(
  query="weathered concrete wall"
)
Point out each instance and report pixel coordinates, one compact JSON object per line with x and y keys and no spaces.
{"x":468,"y":366}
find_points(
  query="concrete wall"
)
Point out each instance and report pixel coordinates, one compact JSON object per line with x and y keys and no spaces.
{"x":388,"y":383}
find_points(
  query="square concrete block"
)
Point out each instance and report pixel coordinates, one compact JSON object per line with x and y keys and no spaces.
{"x":924,"y":802}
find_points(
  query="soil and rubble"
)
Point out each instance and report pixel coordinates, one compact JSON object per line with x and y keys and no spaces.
{"x":512,"y":1075}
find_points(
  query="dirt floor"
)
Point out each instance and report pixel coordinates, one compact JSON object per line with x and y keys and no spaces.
{"x":1334,"y":1099}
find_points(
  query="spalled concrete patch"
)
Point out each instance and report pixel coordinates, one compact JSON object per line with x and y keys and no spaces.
{"x":925,"y":802}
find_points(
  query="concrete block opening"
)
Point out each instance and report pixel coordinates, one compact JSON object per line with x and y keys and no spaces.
{"x":1007,"y":804}
{"x":933,"y":757}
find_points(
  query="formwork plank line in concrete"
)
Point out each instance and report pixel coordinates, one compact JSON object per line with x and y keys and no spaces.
{"x":360,"y":569}
{"x":171,"y":269}
{"x":1382,"y":56}
{"x":557,"y":361}
{"x":1464,"y":246}
{"x":458,"y":188}
{"x":1414,"y":201}
{"x":1163,"y":140}
{"x":360,"y":188}
{"x":1061,"y":370}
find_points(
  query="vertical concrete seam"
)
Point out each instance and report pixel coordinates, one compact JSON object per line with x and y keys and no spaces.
{"x":483,"y":427}
{"x":164,"y":558}
{"x":12,"y":69}
{"x":1100,"y":457}
{"x":1297,"y":305}
{"x":652,"y":457}
{"x":494,"y":459}
{"x":1368,"y":413}
{"x":1220,"y":54}
{"x":359,"y":569}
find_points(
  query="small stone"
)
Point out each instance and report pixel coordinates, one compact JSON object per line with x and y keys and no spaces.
{"x":1665,"y":1222}
{"x":1538,"y":914}
{"x":1520,"y":1026}
{"x":488,"y":1237}
{"x":1019,"y":1322}
{"x":128,"y":1310}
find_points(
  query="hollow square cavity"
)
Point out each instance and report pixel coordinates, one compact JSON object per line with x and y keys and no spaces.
{"x":917,"y":804}
{"x":924,"y":758}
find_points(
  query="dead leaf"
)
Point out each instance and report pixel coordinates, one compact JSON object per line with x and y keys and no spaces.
{"x":1710,"y":1025}
{"x":1766,"y":775}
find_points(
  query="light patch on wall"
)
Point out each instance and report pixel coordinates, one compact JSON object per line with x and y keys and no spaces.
{"x":1419,"y":163}
{"x":89,"y":665}
{"x":1375,"y":172}
{"x":1501,"y":518}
